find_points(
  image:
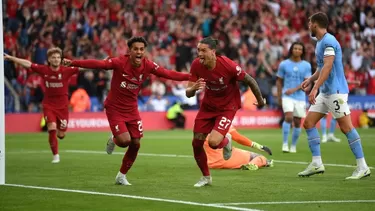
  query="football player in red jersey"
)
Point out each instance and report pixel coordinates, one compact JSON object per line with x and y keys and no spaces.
{"x":55,"y":102}
{"x":219,"y":76}
{"x":121,"y":105}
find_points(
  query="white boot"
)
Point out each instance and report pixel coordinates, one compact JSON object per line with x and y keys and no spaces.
{"x":56,"y":158}
{"x":121,"y":179}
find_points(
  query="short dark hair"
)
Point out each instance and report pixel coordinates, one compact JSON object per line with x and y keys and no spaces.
{"x":320,"y":18}
{"x":136,"y":39}
{"x":211,"y":42}
{"x":290,"y":53}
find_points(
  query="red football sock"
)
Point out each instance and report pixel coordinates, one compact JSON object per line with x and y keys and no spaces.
{"x":200,"y":156}
{"x":222,"y":144}
{"x":52,"y":139}
{"x":129,"y":157}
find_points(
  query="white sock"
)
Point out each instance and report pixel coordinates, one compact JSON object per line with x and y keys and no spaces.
{"x":361,"y":163}
{"x":317,"y":160}
{"x":207,"y":177}
{"x":121,"y":174}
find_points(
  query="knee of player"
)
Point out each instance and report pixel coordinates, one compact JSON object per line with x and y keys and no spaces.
{"x":297,"y":123}
{"x":308,"y":124}
{"x":61,"y":135}
{"x":51,"y":126}
{"x":345,"y":124}
{"x":123,"y":140}
{"x":346,"y":128}
{"x":213,"y":142}
{"x":288,"y":118}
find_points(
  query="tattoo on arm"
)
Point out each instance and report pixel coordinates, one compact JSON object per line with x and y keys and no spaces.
{"x":253,"y":86}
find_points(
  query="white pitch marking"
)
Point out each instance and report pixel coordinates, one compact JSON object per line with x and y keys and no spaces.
{"x":298,"y":202}
{"x":133,"y":197}
{"x":166,"y":155}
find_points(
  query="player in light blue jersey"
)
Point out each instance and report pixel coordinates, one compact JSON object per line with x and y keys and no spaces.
{"x":292,"y":72}
{"x":332,"y":98}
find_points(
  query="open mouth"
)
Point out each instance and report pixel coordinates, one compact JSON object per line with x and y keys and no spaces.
{"x":201,"y":60}
{"x":138,"y":59}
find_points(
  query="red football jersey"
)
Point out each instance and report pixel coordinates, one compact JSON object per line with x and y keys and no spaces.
{"x":222,"y":91}
{"x":56,"y":84}
{"x":126,"y":83}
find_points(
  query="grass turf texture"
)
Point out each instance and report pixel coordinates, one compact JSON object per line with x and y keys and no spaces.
{"x":157,"y":173}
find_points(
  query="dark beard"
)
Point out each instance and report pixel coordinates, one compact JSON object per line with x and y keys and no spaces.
{"x":313,"y":34}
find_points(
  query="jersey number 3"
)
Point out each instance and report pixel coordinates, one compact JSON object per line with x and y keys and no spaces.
{"x":337,"y":105}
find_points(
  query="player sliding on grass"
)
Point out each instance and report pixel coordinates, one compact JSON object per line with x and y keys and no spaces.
{"x":333,"y":97}
{"x":55,"y":102}
{"x":219,"y":76}
{"x":121,"y":105}
{"x":240,"y":158}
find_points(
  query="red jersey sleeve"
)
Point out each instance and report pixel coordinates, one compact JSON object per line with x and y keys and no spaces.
{"x":168,"y":74}
{"x":193,"y":71}
{"x":237,"y":71}
{"x":71,"y":71}
{"x":38,"y":68}
{"x":107,"y":64}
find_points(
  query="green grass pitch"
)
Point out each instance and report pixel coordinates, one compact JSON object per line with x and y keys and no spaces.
{"x":165,"y":172}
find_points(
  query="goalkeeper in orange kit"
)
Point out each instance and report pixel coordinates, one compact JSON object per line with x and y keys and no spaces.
{"x":240,"y":158}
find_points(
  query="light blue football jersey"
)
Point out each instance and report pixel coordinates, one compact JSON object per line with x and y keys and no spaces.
{"x":294,"y":73}
{"x":336,"y":82}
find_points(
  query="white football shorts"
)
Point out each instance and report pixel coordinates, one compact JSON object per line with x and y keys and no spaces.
{"x":337,"y":104}
{"x":298,"y":107}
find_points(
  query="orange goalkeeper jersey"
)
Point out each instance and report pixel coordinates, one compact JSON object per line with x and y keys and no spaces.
{"x":215,"y":156}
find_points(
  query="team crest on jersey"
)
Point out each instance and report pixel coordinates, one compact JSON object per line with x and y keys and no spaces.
{"x":238,"y":69}
{"x":221,"y":80}
{"x":116,"y":128}
{"x":59,"y":76}
{"x":295,"y":68}
{"x":140,"y":77}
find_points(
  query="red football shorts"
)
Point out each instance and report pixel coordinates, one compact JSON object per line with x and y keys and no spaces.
{"x":60,"y":116}
{"x":121,"y":123}
{"x":208,"y":120}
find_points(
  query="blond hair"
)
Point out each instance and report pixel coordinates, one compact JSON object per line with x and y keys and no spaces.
{"x":52,"y":51}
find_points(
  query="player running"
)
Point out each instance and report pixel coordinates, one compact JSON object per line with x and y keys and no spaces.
{"x":219,"y":76}
{"x":121,"y":105}
{"x":55,"y":102}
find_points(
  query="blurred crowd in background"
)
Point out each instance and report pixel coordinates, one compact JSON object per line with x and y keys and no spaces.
{"x":256,"y":34}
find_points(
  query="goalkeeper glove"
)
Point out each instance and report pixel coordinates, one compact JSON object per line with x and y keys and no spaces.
{"x":261,"y":148}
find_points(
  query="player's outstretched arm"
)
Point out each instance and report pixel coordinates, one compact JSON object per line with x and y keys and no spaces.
{"x":89,"y":64}
{"x":23,"y":62}
{"x":193,"y":87}
{"x":171,"y":74}
{"x":250,"y":81}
